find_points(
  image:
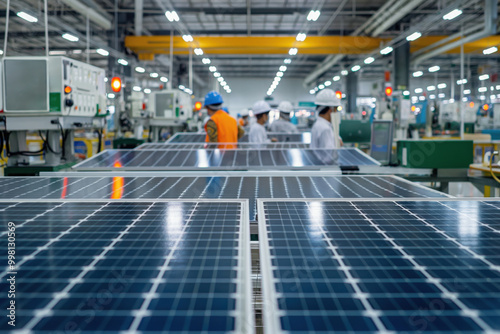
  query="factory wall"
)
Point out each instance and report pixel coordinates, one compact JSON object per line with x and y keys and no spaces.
{"x":246,"y":91}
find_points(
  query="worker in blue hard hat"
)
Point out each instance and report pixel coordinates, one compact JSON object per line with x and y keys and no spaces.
{"x":257,"y":133}
{"x":322,"y":134}
{"x":283,"y":124}
{"x":220,"y":128}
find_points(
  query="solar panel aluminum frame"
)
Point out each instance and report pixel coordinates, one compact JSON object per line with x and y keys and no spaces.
{"x":271,"y":313}
{"x":244,"y":306}
{"x":241,"y":146}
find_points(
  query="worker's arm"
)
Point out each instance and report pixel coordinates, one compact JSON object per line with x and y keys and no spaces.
{"x":241,"y":132}
{"x":212,"y":131}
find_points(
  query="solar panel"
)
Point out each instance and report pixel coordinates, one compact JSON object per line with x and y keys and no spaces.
{"x":183,"y":137}
{"x":215,"y":159}
{"x":242,"y":187}
{"x":386,"y":266}
{"x":197,"y":146}
{"x":128,"y":267}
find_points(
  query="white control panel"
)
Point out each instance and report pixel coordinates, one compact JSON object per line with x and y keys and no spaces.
{"x":171,"y":105}
{"x":53,"y":85}
{"x":76,"y":88}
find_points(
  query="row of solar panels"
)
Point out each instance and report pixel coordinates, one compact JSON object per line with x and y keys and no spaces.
{"x":184,"y":137}
{"x":216,"y":187}
{"x":184,"y":266}
{"x":215,"y":159}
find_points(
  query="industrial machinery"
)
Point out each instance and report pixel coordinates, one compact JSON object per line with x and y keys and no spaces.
{"x":56,"y":95}
{"x":170,"y":109}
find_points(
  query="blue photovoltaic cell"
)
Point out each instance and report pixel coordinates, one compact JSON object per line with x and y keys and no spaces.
{"x":153,"y":267}
{"x":246,"y":187}
{"x":197,"y":146}
{"x":380,"y":266}
{"x":215,"y":159}
{"x":281,"y":137}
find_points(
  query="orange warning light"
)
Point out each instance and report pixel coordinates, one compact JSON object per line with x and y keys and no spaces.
{"x":116,"y":84}
{"x":338,"y":94}
{"x":486,"y":107}
{"x":67,"y":89}
{"x":388,"y":91}
{"x":471,"y":104}
{"x":413,"y":108}
{"x":197,"y":106}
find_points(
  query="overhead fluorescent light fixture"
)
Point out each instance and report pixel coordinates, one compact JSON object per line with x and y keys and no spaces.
{"x":313,"y":15}
{"x":386,"y":50}
{"x":27,"y":17}
{"x":140,"y":69}
{"x":279,"y":74}
{"x":216,"y":74}
{"x":491,"y":50}
{"x":344,"y":72}
{"x":328,"y":83}
{"x":406,"y":93}
{"x":172,"y":16}
{"x":369,"y":60}
{"x":70,"y":37}
{"x":462,"y":82}
{"x":153,"y":75}
{"x":432,"y":96}
{"x":321,"y":86}
{"x":414,"y":36}
{"x":212,"y":68}
{"x":287,"y":61}
{"x":147,"y":90}
{"x":418,"y":74}
{"x":301,"y":37}
{"x":355,"y":68}
{"x":164,"y":79}
{"x":293,"y":51}
{"x":434,"y":69}
{"x":187,"y":38}
{"x":312,"y":91}
{"x":482,"y":89}
{"x":418,"y":90}
{"x":442,"y":86}
{"x":122,"y":62}
{"x":431,"y":88}
{"x":453,"y":14}
{"x":441,"y":96}
{"x":206,"y":61}
{"x":467,"y":91}
{"x":137,"y":88}
{"x":336,"y":78}
{"x":198,"y":51}
{"x":282,"y":68}
{"x":484,"y":77}
{"x":102,"y":52}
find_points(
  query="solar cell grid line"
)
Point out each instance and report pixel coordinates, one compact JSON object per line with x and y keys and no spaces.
{"x":220,"y":300}
{"x":392,"y":253}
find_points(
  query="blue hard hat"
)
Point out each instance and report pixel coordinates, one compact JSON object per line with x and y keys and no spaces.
{"x":225,"y":109}
{"x":212,"y":98}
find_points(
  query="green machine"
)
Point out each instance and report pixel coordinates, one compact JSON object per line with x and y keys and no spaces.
{"x":435,"y":153}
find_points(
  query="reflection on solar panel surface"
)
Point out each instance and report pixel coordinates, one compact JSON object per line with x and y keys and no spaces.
{"x":153,"y":267}
{"x":215,"y":159}
{"x":245,"y":187}
{"x":197,"y":146}
{"x":353,"y":266}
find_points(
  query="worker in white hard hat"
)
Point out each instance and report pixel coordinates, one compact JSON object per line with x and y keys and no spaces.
{"x":283,"y":124}
{"x":322,"y":134}
{"x":257,"y":133}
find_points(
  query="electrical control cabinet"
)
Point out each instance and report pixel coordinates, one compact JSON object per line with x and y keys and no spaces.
{"x":76,"y":88}
{"x":171,"y":105}
{"x":53,"y":85}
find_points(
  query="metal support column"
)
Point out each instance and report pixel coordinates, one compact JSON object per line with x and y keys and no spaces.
{"x":402,"y":67}
{"x":53,"y":154}
{"x":171,"y":67}
{"x":191,"y":69}
{"x":352,"y":92}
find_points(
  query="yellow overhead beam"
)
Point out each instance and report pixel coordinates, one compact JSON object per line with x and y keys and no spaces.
{"x":145,"y":46}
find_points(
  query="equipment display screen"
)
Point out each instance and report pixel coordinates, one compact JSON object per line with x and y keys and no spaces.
{"x":26,"y":85}
{"x":381,"y":143}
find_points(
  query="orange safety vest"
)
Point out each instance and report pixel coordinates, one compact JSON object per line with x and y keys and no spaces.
{"x":227,"y":129}
{"x":242,"y":122}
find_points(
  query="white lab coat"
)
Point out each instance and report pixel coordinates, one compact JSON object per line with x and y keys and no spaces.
{"x":258,"y":135}
{"x":322,"y":135}
{"x":281,"y":125}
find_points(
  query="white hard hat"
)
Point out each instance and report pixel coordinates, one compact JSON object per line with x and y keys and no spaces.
{"x":261,"y":107}
{"x":327,"y":97}
{"x":244,"y":112}
{"x":285,"y":107}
